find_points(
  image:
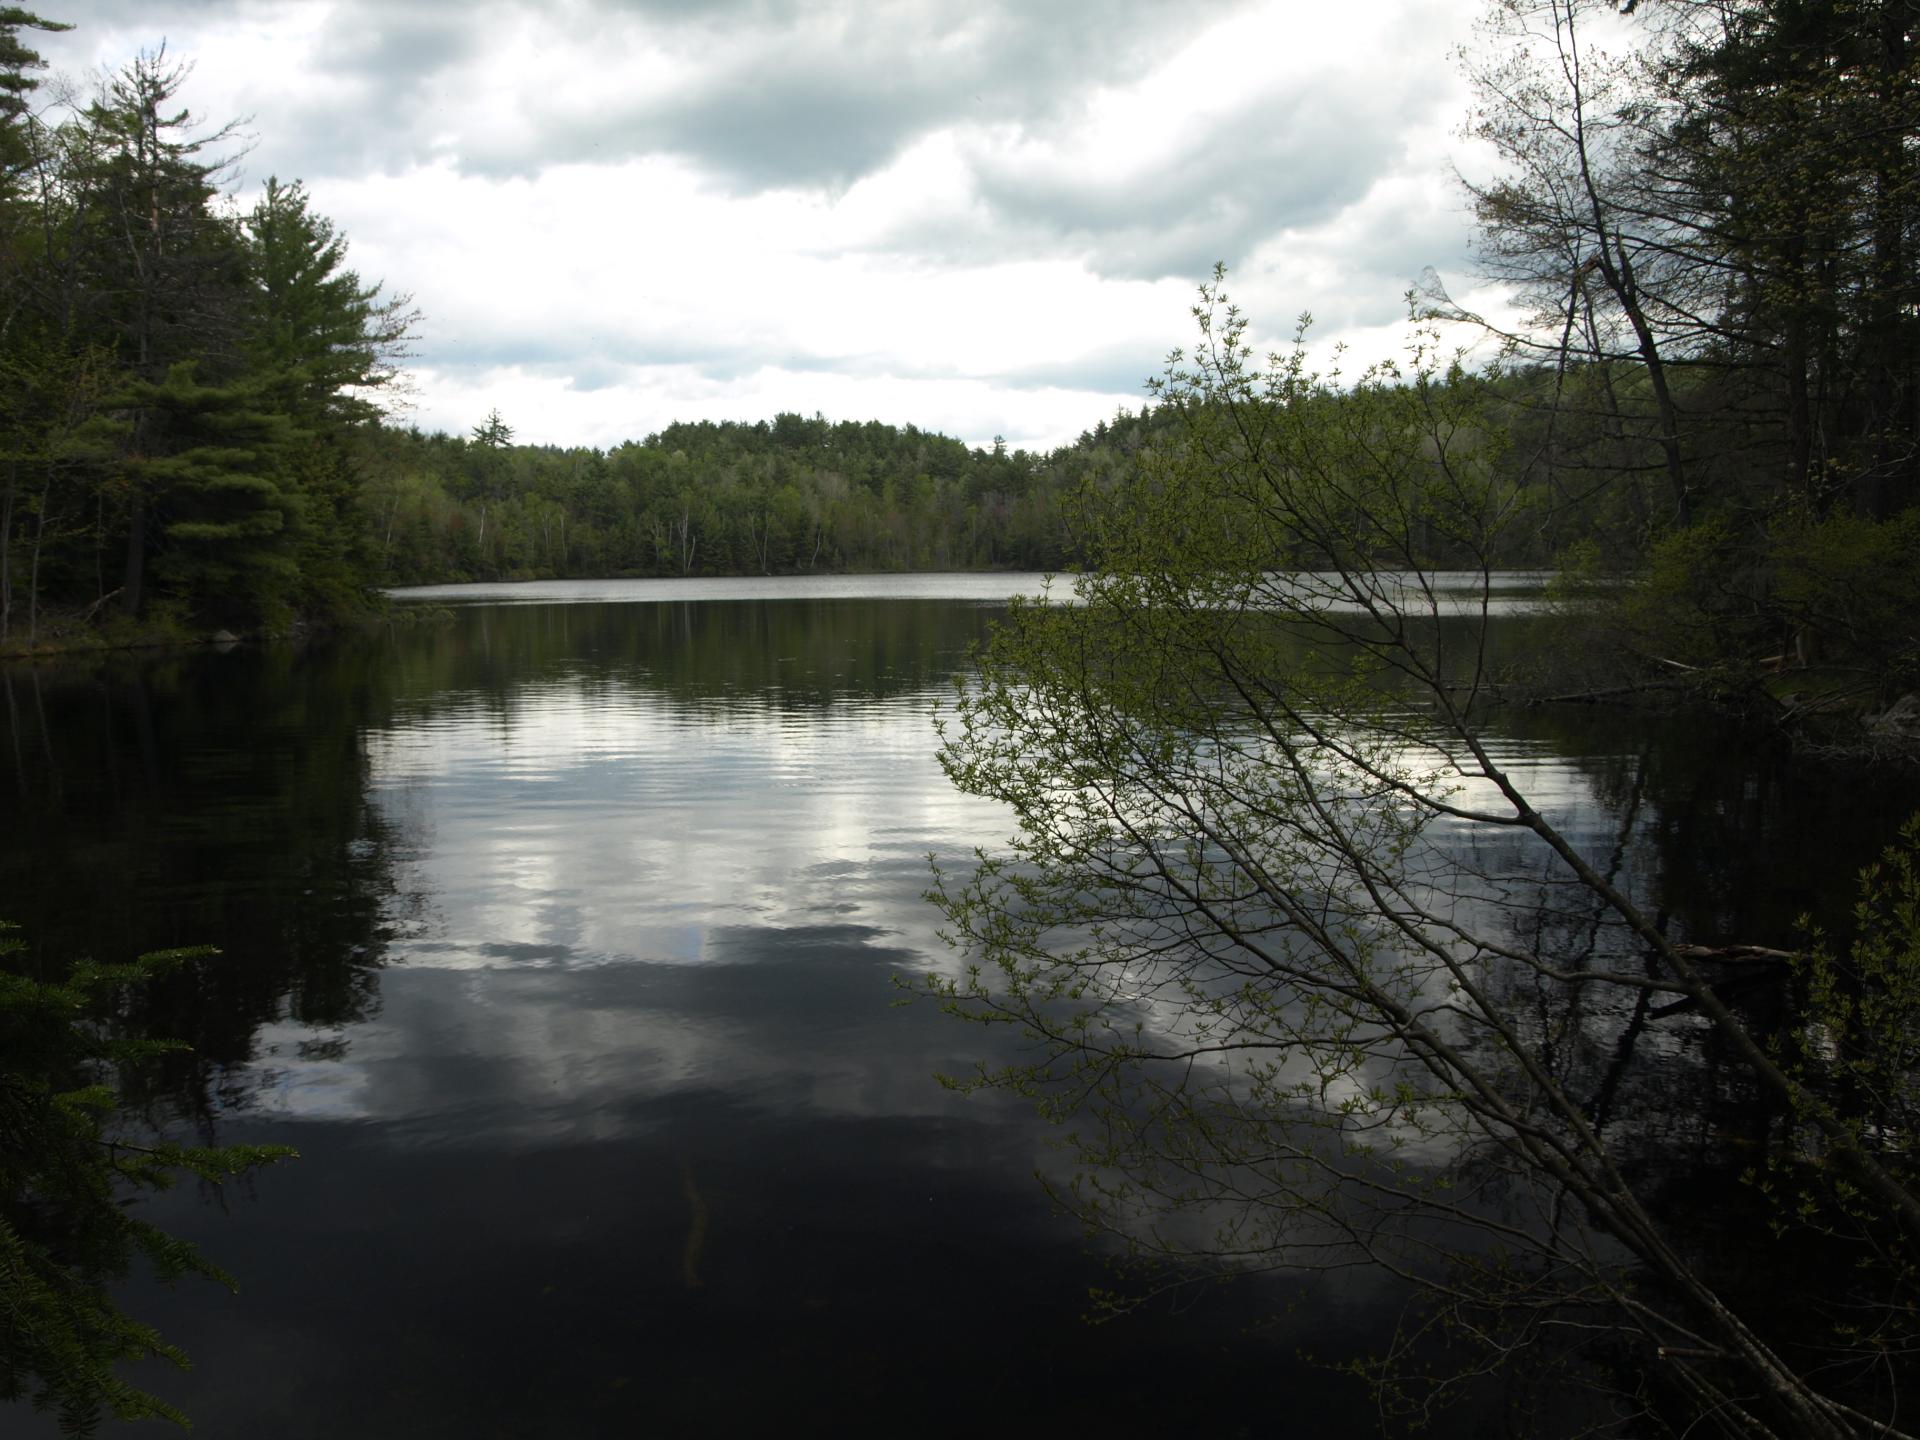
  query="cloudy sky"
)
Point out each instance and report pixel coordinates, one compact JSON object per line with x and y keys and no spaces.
{"x":985,"y":217}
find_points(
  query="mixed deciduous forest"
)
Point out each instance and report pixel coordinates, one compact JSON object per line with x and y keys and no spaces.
{"x":794,"y":496}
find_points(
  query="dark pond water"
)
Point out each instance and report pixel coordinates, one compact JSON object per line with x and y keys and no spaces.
{"x":561,"y":940}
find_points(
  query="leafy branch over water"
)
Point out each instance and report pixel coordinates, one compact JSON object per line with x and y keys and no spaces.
{"x":1314,"y":981}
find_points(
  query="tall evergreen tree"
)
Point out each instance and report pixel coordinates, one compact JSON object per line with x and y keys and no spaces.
{"x":158,"y":272}
{"x":18,"y":61}
{"x":336,"y":341}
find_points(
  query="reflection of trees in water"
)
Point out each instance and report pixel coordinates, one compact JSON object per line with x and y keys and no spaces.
{"x":1237,"y":913}
{"x":787,"y":655}
{"x":1696,"y":833}
{"x":1727,"y":843}
{"x":205,"y":799}
{"x":1743,"y":834}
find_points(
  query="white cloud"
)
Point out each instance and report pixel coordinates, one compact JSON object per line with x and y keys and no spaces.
{"x":981,"y":219}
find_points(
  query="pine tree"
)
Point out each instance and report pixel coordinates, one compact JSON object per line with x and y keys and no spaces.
{"x":335,"y":341}
{"x":217,"y":477}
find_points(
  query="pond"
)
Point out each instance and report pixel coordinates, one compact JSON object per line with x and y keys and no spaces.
{"x":563,"y":941}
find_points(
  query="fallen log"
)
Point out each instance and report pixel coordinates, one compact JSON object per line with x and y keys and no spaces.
{"x":1735,"y":954}
{"x":87,"y":614}
{"x":1608,"y":692}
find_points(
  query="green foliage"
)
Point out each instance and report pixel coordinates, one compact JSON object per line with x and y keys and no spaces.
{"x":1707,"y":217}
{"x":219,"y":482}
{"x":492,"y":432}
{"x":1710,"y":226}
{"x":17,"y":83}
{"x":1862,"y":1030}
{"x":1698,"y":603}
{"x":1856,"y":1049}
{"x":1853,"y":583}
{"x":331,"y":340}
{"x":1724,"y":608}
{"x":179,"y":383}
{"x":68,"y":1165}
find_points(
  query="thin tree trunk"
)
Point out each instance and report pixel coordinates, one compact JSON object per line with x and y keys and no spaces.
{"x":6,"y":559}
{"x":134,"y":572}
{"x":13,"y":730}
{"x":1800,"y":418}
{"x":46,"y":740}
{"x":1890,"y":366}
{"x":1617,"y":269}
{"x":1620,"y":280}
{"x":33,"y":577}
{"x":386,"y":541}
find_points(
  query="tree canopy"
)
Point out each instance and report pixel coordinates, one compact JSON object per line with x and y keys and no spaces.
{"x":180,"y":383}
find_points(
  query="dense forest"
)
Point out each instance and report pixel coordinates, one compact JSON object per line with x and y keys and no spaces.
{"x":1715,"y":236}
{"x":794,"y":496}
{"x":180,"y":384}
{"x":1713,"y":391}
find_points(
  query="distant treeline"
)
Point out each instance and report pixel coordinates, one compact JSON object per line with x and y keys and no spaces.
{"x":790,"y":496}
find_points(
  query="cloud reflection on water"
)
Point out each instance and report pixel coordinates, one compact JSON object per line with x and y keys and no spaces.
{"x":636,"y":891}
